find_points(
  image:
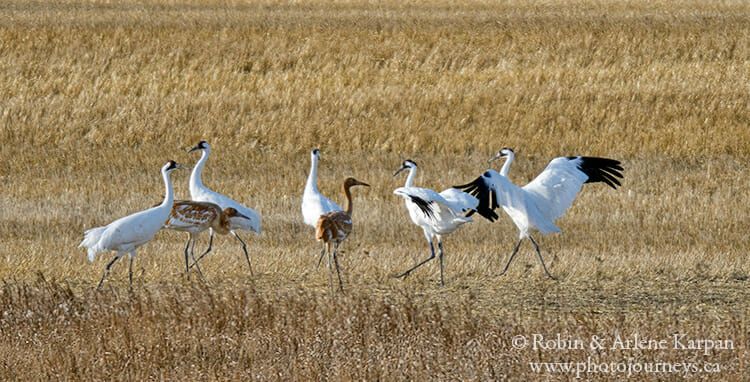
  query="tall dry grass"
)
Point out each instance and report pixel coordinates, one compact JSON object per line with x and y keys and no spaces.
{"x":95,"y":97}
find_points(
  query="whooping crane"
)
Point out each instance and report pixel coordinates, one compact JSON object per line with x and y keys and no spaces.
{"x":195,"y":217}
{"x":535,"y":206}
{"x":314,"y":203}
{"x":334,"y":227}
{"x":126,"y":234}
{"x":198,"y":192}
{"x":437,"y":213}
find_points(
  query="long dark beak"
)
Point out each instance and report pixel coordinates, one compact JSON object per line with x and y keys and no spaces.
{"x":194,"y":148}
{"x":362,"y":184}
{"x":239,"y":215}
{"x":399,"y":170}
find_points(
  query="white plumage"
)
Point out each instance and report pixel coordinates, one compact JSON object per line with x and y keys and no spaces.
{"x":438,"y":214}
{"x":198,"y":192}
{"x":459,"y":201}
{"x":126,"y":234}
{"x":314,"y":203}
{"x":536,"y":206}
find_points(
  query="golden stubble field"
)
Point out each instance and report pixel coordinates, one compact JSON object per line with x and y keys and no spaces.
{"x":96,"y":96}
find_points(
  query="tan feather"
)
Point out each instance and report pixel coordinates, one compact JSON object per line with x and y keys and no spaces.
{"x":195,"y":217}
{"x":334,"y":227}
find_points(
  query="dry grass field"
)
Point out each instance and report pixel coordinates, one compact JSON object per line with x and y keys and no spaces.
{"x":95,"y":96}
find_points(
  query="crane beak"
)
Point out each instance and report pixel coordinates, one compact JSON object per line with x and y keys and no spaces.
{"x":181,"y":167}
{"x":399,"y":170}
{"x":362,"y":184}
{"x":239,"y":215}
{"x":496,"y":157}
{"x":194,"y":148}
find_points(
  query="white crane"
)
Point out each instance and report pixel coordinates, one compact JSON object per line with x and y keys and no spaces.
{"x":437,"y":213}
{"x":198,"y":192}
{"x":536,"y":206}
{"x":195,"y":217}
{"x":314,"y":203}
{"x":126,"y":234}
{"x":334,"y":227}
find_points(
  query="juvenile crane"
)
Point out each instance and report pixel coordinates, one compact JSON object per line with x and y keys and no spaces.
{"x":438,"y":214}
{"x":195,"y":217}
{"x":198,"y":192}
{"x":126,"y":234}
{"x":334,"y":227}
{"x":536,"y":206}
{"x":314,"y":203}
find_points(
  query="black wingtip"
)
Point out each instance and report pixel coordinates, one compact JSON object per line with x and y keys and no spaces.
{"x":487,"y":201}
{"x":424,"y":206}
{"x":601,"y":170}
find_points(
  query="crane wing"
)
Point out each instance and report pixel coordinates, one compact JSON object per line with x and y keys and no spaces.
{"x":187,"y":214}
{"x":484,"y":189}
{"x":439,"y":214}
{"x":252,"y":223}
{"x":555,"y":188}
{"x":459,"y":201}
{"x":336,"y":225}
{"x":421,"y":197}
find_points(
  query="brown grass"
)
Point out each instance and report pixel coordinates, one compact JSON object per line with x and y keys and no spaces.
{"x":96,"y":96}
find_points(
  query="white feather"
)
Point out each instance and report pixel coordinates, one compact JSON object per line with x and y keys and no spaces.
{"x":128,"y":233}
{"x":555,"y":188}
{"x":459,"y":200}
{"x":201,"y":193}
{"x":314,"y":203}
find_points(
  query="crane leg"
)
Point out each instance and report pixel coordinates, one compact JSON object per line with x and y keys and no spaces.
{"x":432,"y":256}
{"x":130,"y":269}
{"x":192,"y":255}
{"x":210,"y":244}
{"x":540,"y":258}
{"x":106,"y":270}
{"x":244,"y":248}
{"x":320,"y":259}
{"x":336,"y":261}
{"x":511,"y":257}
{"x":187,"y":247}
{"x":440,"y":247}
{"x":330,"y":269}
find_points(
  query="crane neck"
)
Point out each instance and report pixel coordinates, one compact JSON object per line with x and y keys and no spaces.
{"x":506,"y":165}
{"x":311,"y":179}
{"x":348,"y":195}
{"x":195,"y":176}
{"x":224,"y":225}
{"x":169,"y":193}
{"x":410,"y":177}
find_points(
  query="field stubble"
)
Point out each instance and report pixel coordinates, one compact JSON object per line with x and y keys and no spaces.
{"x":95,"y":97}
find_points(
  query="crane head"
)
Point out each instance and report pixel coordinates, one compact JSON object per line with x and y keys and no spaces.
{"x":231,"y":212}
{"x":505,"y":152}
{"x":349,"y":182}
{"x":406,"y":165}
{"x":202,"y":145}
{"x":172,"y":165}
{"x":314,"y":154}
